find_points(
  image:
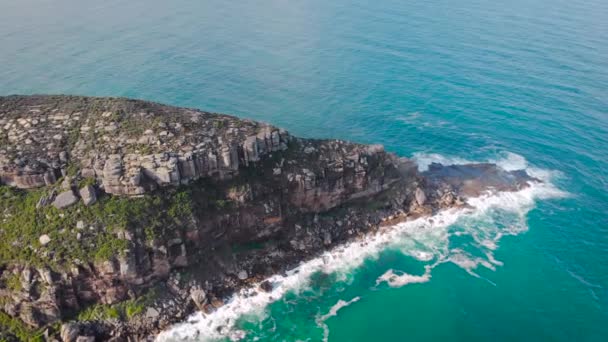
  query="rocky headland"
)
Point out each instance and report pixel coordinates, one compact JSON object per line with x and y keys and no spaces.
{"x":119,"y":217}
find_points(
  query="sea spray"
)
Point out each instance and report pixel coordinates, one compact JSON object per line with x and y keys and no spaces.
{"x":485,"y":221}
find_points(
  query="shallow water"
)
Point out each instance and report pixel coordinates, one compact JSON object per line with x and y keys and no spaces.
{"x":521,"y":82}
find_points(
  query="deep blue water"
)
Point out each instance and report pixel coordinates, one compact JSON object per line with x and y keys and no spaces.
{"x":471,"y":79}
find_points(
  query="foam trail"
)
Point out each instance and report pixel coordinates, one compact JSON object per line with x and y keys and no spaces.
{"x":398,"y":278}
{"x":333,"y":311}
{"x":489,"y":218}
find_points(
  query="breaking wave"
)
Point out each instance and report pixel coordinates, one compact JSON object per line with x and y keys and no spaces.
{"x":480,"y":227}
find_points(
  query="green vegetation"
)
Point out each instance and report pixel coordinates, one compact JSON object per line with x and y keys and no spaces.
{"x":144,"y":149}
{"x":71,"y":169}
{"x":222,"y":204}
{"x":86,"y":182}
{"x":181,"y":205}
{"x":73,"y":136}
{"x":22,"y":224}
{"x":13,"y":283}
{"x":19,"y":329}
{"x":121,"y":311}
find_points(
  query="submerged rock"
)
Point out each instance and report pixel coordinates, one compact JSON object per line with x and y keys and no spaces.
{"x":471,"y":180}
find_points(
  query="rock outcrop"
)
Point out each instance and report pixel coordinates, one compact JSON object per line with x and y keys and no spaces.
{"x":130,"y":147}
{"x":222,"y":200}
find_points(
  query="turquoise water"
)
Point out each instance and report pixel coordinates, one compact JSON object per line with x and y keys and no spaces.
{"x":522,"y":81}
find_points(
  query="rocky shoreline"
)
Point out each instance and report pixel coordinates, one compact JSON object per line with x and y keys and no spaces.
{"x":121,"y":217}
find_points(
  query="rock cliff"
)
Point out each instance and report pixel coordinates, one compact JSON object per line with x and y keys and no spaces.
{"x":123,"y":216}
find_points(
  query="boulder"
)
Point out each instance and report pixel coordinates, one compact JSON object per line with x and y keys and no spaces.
{"x":266,"y":286}
{"x":152,"y":313}
{"x":199,"y":297}
{"x":88,"y":195}
{"x":44,"y":239}
{"x":65,"y":199}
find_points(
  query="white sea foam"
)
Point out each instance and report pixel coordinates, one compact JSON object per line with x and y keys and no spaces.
{"x":425,"y":159}
{"x":399,"y":278}
{"x":490,"y":217}
{"x":333,"y":311}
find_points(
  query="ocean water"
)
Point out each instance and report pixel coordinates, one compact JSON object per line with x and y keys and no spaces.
{"x":522,"y":82}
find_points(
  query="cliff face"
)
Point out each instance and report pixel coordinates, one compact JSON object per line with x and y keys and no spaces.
{"x":244,"y":182}
{"x":152,"y":211}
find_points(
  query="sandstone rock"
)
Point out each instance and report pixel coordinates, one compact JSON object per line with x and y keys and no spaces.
{"x":46,"y":275}
{"x":26,"y":279}
{"x":29,"y":315}
{"x":199,"y":297}
{"x":85,"y":339}
{"x":420,"y":196}
{"x":152,"y":313}
{"x":69,"y":332}
{"x":216,"y":302}
{"x":67,"y":183}
{"x":128,"y":265}
{"x":88,"y":195}
{"x":65,"y":199}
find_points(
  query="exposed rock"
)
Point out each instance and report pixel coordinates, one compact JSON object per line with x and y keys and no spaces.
{"x":88,"y":195}
{"x":217,"y":303}
{"x":152,"y":313}
{"x":266,"y":286}
{"x":69,"y":332}
{"x":187,"y":149}
{"x":420,"y":196}
{"x":67,"y":183}
{"x":65,"y":199}
{"x":85,"y":339}
{"x":199,"y":297}
{"x":44,"y":239}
